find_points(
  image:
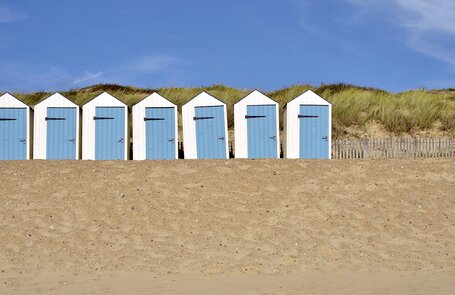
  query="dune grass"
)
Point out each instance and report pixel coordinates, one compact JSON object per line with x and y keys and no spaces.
{"x":355,"y":107}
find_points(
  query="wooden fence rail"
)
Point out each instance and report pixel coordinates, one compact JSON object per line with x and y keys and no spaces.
{"x":393,"y":147}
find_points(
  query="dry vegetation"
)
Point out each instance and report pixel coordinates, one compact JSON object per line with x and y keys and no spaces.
{"x":357,"y":111}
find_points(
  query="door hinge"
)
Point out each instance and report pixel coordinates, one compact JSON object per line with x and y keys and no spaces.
{"x":54,"y":119}
{"x":103,"y":118}
{"x":306,"y":116}
{"x":253,"y":117}
{"x":153,"y":119}
{"x":202,"y":118}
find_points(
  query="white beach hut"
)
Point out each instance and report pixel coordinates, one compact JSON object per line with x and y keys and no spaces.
{"x":105,"y":129}
{"x":15,"y":125}
{"x":205,"y":128}
{"x":256,"y":127}
{"x":56,"y":129}
{"x":308,"y":127}
{"x":155,"y":129}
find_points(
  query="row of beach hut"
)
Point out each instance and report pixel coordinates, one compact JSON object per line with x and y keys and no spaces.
{"x":56,"y":134}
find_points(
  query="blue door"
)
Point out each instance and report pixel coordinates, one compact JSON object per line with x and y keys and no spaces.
{"x":314,"y":131}
{"x":110,"y":133}
{"x":262,"y":133}
{"x":160,"y":133}
{"x":210,"y":132}
{"x":13,"y":134}
{"x":61,"y":134}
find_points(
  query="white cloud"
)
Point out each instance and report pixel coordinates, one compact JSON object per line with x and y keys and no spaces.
{"x":9,"y":16}
{"x":126,"y":73}
{"x":18,"y":76}
{"x":429,"y":24}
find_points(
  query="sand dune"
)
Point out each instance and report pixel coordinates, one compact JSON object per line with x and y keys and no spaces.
{"x":228,"y":227}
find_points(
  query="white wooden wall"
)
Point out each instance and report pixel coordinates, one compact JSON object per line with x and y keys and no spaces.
{"x":292,"y":122}
{"x":189,"y":125}
{"x":40,"y":127}
{"x":139,"y":130}
{"x":241,"y":124}
{"x":88,"y":128}
{"x":9,"y":101}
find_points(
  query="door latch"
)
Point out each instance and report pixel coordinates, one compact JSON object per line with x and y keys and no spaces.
{"x":326,"y":138}
{"x":221,"y":138}
{"x":120,"y":140}
{"x":171,"y":140}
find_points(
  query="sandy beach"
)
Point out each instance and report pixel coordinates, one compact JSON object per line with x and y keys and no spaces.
{"x":228,"y":227}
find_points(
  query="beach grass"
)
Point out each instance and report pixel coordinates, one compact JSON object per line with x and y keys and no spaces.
{"x":354,"y":108}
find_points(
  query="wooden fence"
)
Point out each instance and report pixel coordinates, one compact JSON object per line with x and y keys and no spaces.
{"x":402,"y":147}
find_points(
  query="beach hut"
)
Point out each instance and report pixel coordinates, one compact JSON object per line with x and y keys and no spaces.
{"x":205,"y":128}
{"x":14,"y":129}
{"x":56,"y":129}
{"x":256,"y":127}
{"x":308,"y":127}
{"x":155,"y":133}
{"x":105,"y":129}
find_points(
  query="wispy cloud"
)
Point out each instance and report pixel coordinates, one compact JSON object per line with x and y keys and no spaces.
{"x":9,"y":16}
{"x":126,"y":73}
{"x":429,"y":24}
{"x":17,"y":76}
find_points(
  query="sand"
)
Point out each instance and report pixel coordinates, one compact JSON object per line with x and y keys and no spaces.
{"x":228,"y":227}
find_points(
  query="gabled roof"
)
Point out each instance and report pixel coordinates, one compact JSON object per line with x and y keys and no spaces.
{"x":104,"y":95}
{"x":256,"y":93}
{"x":155,"y":97}
{"x":201,"y":95}
{"x":11,"y":99}
{"x":55,"y":97}
{"x":310,"y":97}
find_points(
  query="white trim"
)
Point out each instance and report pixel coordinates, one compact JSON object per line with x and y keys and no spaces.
{"x":189,"y":126}
{"x":139,"y":127}
{"x":88,"y":128}
{"x":241,"y":124}
{"x":9,"y":101}
{"x":40,"y":124}
{"x":292,"y":123}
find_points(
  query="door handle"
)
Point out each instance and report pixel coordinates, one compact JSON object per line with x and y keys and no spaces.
{"x":221,"y":138}
{"x":73,"y":140}
{"x":171,"y":140}
{"x":22,"y":140}
{"x":325,"y":138}
{"x":273,"y":137}
{"x":120,"y":140}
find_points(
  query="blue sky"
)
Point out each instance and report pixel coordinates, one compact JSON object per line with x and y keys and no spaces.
{"x":390,"y":44}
